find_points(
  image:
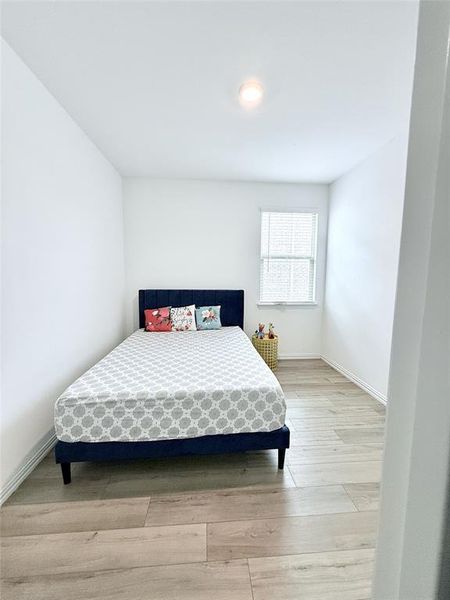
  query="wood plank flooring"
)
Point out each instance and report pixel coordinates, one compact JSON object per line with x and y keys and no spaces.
{"x":343,"y":575}
{"x":227,"y":527}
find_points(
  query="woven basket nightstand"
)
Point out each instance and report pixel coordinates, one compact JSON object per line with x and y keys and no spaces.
{"x":268,"y":349}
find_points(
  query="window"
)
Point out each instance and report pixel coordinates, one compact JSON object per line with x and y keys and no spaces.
{"x":288,"y":257}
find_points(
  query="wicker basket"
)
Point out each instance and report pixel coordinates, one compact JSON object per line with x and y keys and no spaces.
{"x":268,"y":349}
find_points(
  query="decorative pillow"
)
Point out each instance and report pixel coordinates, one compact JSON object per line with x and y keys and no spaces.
{"x":183,"y":318}
{"x":208,"y":317}
{"x":158,"y":319}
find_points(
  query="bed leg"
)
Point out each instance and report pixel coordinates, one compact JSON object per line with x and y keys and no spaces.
{"x":281,"y":455}
{"x":65,"y":468}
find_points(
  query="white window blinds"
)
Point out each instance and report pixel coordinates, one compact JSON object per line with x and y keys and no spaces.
{"x":288,"y":256}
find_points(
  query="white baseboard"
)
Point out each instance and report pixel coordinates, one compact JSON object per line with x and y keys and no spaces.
{"x":32,"y":459}
{"x":355,"y":379}
{"x":298,"y":356}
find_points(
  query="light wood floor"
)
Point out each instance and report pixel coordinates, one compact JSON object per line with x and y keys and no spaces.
{"x":212,"y":528}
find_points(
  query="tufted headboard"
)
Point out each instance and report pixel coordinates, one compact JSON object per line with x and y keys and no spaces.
{"x":231,"y":302}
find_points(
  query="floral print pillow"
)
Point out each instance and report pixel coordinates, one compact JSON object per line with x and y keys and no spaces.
{"x":208,"y":317}
{"x":158,"y":319}
{"x":183,"y":318}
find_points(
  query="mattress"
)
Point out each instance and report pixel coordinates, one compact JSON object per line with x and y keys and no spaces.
{"x":168,"y":385}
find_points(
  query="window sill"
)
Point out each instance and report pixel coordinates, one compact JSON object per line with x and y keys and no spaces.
{"x":287,"y":303}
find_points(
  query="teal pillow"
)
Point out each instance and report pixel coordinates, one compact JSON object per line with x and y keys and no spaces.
{"x":208,"y":317}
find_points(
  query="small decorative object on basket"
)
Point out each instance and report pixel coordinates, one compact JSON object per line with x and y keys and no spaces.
{"x":266,"y":345}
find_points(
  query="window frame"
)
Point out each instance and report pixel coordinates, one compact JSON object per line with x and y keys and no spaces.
{"x":305,"y":303}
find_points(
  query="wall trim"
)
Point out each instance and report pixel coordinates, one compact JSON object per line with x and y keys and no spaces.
{"x":298,"y":356}
{"x":32,"y":459}
{"x":357,"y":380}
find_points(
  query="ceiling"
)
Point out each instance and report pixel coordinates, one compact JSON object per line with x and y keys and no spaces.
{"x":154,"y":84}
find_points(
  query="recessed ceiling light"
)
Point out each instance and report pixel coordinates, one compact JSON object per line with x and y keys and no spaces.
{"x":251,"y":93}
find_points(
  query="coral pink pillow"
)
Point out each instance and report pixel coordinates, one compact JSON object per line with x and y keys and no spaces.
{"x":158,"y":319}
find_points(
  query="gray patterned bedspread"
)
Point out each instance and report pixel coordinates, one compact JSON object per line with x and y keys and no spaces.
{"x":167,"y":385}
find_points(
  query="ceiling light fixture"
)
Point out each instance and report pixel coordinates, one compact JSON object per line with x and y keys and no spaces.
{"x":251,"y":93}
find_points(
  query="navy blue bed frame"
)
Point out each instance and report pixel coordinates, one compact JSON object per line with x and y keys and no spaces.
{"x":231,"y":313}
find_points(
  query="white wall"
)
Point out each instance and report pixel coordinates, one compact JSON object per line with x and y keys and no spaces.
{"x":364,"y":229}
{"x":198,"y":234}
{"x":62,"y":259}
{"x":417,"y":450}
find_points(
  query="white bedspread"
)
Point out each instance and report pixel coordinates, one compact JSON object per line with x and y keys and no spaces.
{"x":157,"y":386}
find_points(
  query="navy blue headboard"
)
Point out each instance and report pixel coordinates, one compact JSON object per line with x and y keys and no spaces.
{"x":231,"y":302}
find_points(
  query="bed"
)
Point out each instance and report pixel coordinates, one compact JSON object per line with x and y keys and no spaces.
{"x":174,"y":393}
